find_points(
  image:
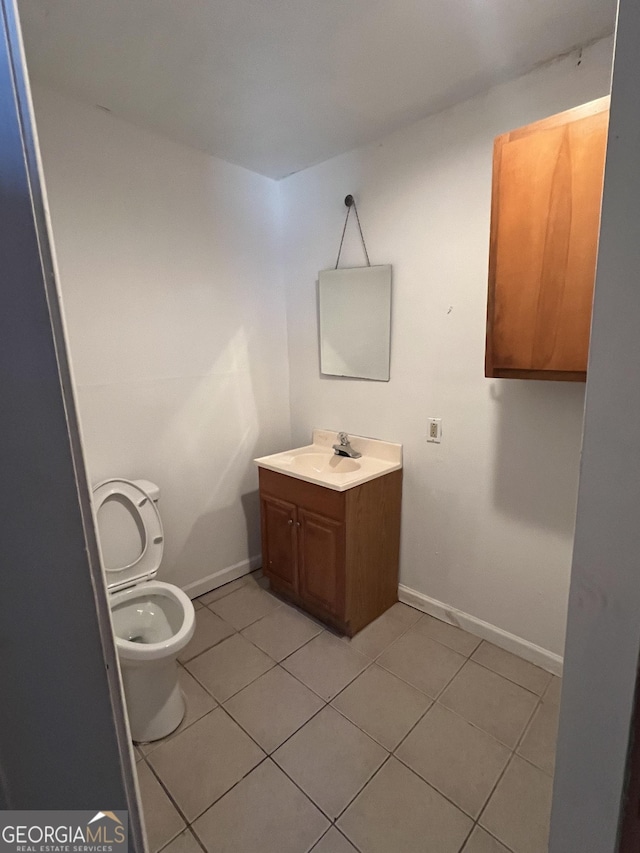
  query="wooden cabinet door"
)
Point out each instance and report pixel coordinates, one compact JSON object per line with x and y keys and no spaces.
{"x":321,"y":561}
{"x":279,"y":541}
{"x":545,"y":220}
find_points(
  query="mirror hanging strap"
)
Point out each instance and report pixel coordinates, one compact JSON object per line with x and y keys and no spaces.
{"x":351,"y":203}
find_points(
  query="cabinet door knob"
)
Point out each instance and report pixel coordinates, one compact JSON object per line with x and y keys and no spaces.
{"x":290,"y":521}
{"x":298,"y":523}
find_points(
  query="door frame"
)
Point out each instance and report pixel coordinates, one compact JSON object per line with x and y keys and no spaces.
{"x":603,"y":631}
{"x":55,"y":701}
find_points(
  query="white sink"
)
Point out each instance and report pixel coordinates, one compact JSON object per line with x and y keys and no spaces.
{"x":324,"y":464}
{"x":318,"y":463}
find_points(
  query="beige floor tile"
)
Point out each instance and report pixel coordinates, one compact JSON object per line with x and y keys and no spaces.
{"x":491,"y":702}
{"x":539,"y":742}
{"x":161,"y":818}
{"x":197,"y":703}
{"x":197,"y":604}
{"x":245,"y":606}
{"x":449,"y":635}
{"x":461,"y":761}
{"x":334,"y":842}
{"x":552,"y":693}
{"x":229,"y":666}
{"x":326,"y":665}
{"x":375,"y":638}
{"x":282,"y":632}
{"x":518,"y":813}
{"x":330,"y":759}
{"x":184,"y":843}
{"x":204,"y":761}
{"x":273,"y":707}
{"x":399,"y":813}
{"x":382,"y":705}
{"x":265,"y":813}
{"x":421,"y":661}
{"x":210,"y":630}
{"x":516,"y":669}
{"x":481,"y":842}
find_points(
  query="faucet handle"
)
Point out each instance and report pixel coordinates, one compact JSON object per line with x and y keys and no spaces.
{"x":343,"y":438}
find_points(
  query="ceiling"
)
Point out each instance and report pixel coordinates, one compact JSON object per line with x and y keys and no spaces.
{"x":278,"y":85}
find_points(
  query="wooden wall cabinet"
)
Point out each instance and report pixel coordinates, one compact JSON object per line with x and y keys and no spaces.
{"x":335,"y":554}
{"x":545,"y":220}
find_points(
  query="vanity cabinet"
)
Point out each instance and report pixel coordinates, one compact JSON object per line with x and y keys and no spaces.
{"x":545,"y":220}
{"x":333,"y":553}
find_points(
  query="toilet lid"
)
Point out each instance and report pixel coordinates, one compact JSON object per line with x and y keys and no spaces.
{"x":144,"y":509}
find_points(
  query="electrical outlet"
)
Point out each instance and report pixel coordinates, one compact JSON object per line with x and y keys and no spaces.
{"x":435,"y":430}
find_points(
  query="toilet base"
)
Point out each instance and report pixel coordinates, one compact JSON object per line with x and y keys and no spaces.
{"x":155,"y":704}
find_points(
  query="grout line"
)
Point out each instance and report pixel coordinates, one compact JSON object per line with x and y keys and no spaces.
{"x":491,"y":835}
{"x":175,"y":733}
{"x":535,"y":766}
{"x":438,"y":791}
{"x":226,"y":699}
{"x":217,"y":799}
{"x":169,"y":795}
{"x":506,"y":678}
{"x":527,"y":726}
{"x":308,"y":796}
{"x":203,"y":651}
{"x":270,"y":754}
{"x":343,"y":834}
{"x":493,"y":789}
{"x":315,"y":843}
{"x":188,"y":830}
{"x":464,"y":843}
{"x":365,"y":732}
{"x":508,"y":764}
{"x":422,"y":716}
{"x":197,"y":839}
{"x":491,"y":793}
{"x":287,"y":739}
{"x":306,"y":643}
{"x":244,"y":578}
{"x":479,"y":663}
{"x":249,"y":624}
{"x":360,"y":790}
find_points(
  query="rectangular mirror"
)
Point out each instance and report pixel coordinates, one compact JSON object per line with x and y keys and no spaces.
{"x":355,"y":322}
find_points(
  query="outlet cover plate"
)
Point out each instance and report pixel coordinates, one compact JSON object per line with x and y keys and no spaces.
{"x":434,"y":432}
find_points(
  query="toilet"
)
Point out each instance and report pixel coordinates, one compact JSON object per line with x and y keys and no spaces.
{"x":152,"y":621}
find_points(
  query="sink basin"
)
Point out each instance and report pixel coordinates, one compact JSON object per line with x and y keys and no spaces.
{"x":324,"y":464}
{"x":317,"y":462}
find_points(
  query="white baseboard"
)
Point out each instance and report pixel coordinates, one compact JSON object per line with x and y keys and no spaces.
{"x":222,"y":576}
{"x":510,"y":642}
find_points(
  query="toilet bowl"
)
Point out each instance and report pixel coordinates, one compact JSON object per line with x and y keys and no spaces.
{"x":152,"y":621}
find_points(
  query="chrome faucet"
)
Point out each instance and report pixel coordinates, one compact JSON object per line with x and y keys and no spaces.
{"x":344,"y":448}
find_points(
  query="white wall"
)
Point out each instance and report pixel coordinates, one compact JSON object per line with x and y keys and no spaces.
{"x":488,"y":515}
{"x":176,"y":323}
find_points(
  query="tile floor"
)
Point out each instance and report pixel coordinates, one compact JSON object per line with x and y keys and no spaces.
{"x":414,"y":736}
